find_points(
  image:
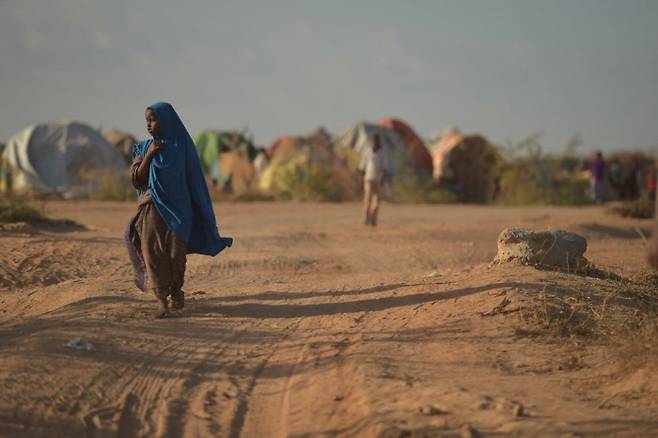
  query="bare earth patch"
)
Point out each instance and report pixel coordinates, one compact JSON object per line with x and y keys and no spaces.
{"x":312,"y":325}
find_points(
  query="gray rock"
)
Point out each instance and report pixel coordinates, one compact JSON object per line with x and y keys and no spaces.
{"x":551,"y":248}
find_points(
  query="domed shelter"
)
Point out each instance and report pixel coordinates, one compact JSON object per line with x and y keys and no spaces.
{"x":307,"y":168}
{"x":318,"y":137}
{"x":211,"y":143}
{"x":57,"y":157}
{"x":360,"y":137}
{"x":123,"y":142}
{"x":236,"y":173}
{"x":467,"y":164}
{"x":415,"y":147}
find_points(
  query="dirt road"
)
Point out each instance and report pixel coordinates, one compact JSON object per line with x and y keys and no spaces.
{"x":311,"y":325}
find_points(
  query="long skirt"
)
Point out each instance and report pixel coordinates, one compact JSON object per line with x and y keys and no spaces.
{"x":158,"y":256}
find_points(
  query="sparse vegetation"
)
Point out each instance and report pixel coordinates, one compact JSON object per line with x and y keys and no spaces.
{"x":416,"y":187}
{"x":111,"y":187}
{"x":531,"y":177}
{"x":641,"y":208}
{"x":17,"y":210}
{"x":308,"y":182}
{"x":13,"y":210}
{"x":615,"y":309}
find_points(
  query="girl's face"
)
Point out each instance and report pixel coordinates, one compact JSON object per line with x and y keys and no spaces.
{"x":152,"y":125}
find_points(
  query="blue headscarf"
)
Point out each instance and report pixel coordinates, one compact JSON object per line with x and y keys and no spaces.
{"x":177,"y":186}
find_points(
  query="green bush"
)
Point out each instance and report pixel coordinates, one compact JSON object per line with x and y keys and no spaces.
{"x":642,"y":208}
{"x":14,"y":209}
{"x":308,"y":182}
{"x":541,"y":180}
{"x":414,"y":186}
{"x":17,"y":210}
{"x":112,"y":187}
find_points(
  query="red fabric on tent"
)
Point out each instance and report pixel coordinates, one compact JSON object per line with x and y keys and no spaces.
{"x":414,"y":145}
{"x":275,"y":144}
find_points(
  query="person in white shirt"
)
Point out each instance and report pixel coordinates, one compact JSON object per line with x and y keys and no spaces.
{"x":373,"y":166}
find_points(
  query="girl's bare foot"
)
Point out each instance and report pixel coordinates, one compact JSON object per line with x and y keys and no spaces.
{"x":163,"y":309}
{"x":177,"y":300}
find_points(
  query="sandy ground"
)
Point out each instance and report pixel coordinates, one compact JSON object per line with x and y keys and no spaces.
{"x":311,"y":325}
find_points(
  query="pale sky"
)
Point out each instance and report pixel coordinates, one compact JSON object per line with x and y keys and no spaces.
{"x":504,"y":68}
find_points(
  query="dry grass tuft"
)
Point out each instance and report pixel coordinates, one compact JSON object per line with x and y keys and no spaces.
{"x":642,"y":208}
{"x":107,"y":186}
{"x":17,"y":210}
{"x":14,"y":210}
{"x":604,"y":307}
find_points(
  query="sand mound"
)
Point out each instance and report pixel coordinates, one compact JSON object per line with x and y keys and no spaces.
{"x":551,"y":248}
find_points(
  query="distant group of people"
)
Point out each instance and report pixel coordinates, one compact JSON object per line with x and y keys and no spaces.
{"x":629,"y":186}
{"x":623,"y":181}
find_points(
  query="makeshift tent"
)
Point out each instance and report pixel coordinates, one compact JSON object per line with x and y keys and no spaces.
{"x":468,"y":164}
{"x":236,"y":172}
{"x":211,"y":143}
{"x":320,"y":136}
{"x":57,"y":156}
{"x":123,"y":142}
{"x":360,"y":138}
{"x":415,"y":147}
{"x":305,"y":152}
{"x":276,"y":143}
{"x":441,"y":145}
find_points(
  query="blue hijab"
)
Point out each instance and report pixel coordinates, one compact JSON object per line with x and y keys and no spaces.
{"x":177,"y":186}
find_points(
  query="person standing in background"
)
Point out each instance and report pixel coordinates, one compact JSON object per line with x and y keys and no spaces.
{"x":651,"y":180}
{"x":373,"y":166}
{"x":653,"y":243}
{"x":597,"y":179}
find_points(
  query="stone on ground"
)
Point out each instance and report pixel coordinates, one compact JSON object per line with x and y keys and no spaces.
{"x":558,"y":249}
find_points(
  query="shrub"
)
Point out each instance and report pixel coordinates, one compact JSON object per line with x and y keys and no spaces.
{"x":307,"y":182}
{"x":111,"y":187}
{"x":17,"y":210}
{"x":641,"y":208}
{"x":14,"y":210}
{"x":541,"y":180}
{"x":414,"y":186}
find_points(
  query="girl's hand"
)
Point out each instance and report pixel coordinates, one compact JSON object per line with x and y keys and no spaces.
{"x":156,"y":146}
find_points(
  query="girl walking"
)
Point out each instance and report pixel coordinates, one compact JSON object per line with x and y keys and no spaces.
{"x":174,"y":212}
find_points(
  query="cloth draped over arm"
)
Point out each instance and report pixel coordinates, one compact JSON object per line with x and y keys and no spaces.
{"x":177,"y":187}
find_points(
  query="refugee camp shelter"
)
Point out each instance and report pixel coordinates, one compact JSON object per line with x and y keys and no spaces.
{"x":468,"y":165}
{"x":214,"y":146}
{"x":441,"y":146}
{"x":360,"y":138}
{"x":123,"y":142}
{"x":309,"y":154}
{"x":57,"y":157}
{"x":236,"y":173}
{"x":211,"y":143}
{"x":319,"y":136}
{"x":415,"y":147}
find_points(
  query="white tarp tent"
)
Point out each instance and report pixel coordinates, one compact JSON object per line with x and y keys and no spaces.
{"x":58,"y":156}
{"x":361,"y":136}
